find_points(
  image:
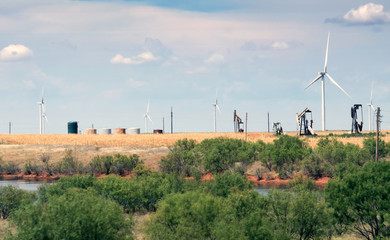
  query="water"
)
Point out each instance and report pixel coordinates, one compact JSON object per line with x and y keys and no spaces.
{"x":22,"y":184}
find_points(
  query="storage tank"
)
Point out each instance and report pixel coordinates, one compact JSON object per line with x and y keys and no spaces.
{"x":119,"y":131}
{"x":90,"y":131}
{"x":157,"y":131}
{"x":105,"y":131}
{"x":133,"y":131}
{"x":72,"y":128}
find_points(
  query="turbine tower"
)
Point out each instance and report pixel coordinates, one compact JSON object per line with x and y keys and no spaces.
{"x":147,"y":117}
{"x":42,"y":115}
{"x":215,"y":105}
{"x":321,"y":75}
{"x":370,"y":106}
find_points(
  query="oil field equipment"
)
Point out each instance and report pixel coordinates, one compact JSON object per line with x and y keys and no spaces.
{"x":356,"y":127}
{"x":305,"y":124}
{"x":238,"y":123}
{"x":277,"y":127}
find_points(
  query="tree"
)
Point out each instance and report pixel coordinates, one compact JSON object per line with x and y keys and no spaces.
{"x":361,"y":199}
{"x":77,"y":214}
{"x":12,"y":198}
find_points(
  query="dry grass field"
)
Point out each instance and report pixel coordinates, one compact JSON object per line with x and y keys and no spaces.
{"x":21,"y":148}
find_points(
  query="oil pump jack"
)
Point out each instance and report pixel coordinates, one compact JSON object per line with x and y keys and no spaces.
{"x":238,"y":123}
{"x":305,"y":126}
{"x":356,"y":127}
{"x":277,"y":127}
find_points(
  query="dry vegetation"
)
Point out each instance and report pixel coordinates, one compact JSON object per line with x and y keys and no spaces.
{"x":153,"y":140}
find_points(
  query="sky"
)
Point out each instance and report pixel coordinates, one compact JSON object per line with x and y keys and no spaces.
{"x":100,"y":62}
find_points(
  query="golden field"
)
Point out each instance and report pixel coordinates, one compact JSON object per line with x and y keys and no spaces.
{"x":21,"y":148}
{"x":155,"y":140}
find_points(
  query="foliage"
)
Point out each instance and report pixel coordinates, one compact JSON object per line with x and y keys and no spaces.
{"x":77,"y":214}
{"x":284,"y":154}
{"x":361,"y":199}
{"x":181,"y":159}
{"x":370,"y":145}
{"x":226,"y":183}
{"x":301,"y":215}
{"x":220,"y":154}
{"x":69,"y":164}
{"x":12,"y":198}
{"x":8,"y":168}
{"x":116,"y":164}
{"x":32,"y":168}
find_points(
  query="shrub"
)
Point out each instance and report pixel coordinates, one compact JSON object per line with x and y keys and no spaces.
{"x":12,"y":198}
{"x":181,"y":159}
{"x":69,"y":164}
{"x":77,"y":214}
{"x":117,"y":164}
{"x":32,"y":168}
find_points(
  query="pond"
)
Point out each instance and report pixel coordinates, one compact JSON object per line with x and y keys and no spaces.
{"x":23,"y":184}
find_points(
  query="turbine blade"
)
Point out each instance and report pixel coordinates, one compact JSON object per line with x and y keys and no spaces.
{"x":335,"y":83}
{"x":219,"y":110}
{"x":326,"y":54}
{"x":372,"y":107}
{"x":315,"y":80}
{"x":149,"y":118}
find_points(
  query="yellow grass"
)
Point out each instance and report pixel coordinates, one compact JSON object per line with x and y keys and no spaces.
{"x":155,"y":139}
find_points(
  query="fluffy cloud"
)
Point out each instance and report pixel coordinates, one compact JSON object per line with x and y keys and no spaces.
{"x":280,"y":45}
{"x":365,"y":15}
{"x":141,"y":58}
{"x":15,"y":53}
{"x":215,"y":58}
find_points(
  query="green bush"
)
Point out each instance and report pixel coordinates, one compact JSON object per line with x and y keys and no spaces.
{"x":226,"y":183}
{"x":77,"y":214}
{"x":116,"y":164}
{"x":370,"y":146}
{"x":69,"y":164}
{"x":220,"y":154}
{"x":32,"y":168}
{"x":360,"y":197}
{"x":182,"y":159}
{"x":12,"y":198}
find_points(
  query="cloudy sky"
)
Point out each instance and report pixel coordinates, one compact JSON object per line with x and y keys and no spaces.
{"x":99,"y":62}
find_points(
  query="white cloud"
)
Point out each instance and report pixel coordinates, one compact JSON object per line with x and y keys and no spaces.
{"x":215,"y":58}
{"x":280,"y":45}
{"x":367,"y":14}
{"x":15,"y":52}
{"x":135,"y":84}
{"x":139,"y":59}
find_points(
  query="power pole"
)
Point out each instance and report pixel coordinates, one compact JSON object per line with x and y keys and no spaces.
{"x":378,"y":110}
{"x":163,"y":126}
{"x":268,"y":120}
{"x":246,"y":126}
{"x":171,"y":120}
{"x":9,"y":128}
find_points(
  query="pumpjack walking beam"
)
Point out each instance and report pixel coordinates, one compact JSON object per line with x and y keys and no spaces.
{"x":305,"y":125}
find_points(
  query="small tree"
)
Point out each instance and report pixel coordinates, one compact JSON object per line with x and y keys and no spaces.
{"x":361,"y":199}
{"x":12,"y":198}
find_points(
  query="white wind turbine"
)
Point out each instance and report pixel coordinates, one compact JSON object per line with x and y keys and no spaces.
{"x":147,"y":117}
{"x":215,"y":105}
{"x":370,"y":107}
{"x":42,"y":116}
{"x":321,"y":75}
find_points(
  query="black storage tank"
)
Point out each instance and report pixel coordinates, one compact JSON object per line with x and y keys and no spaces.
{"x":72,"y":128}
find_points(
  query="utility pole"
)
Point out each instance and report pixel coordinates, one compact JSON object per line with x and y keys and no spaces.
{"x":163,"y":126}
{"x":246,"y":126}
{"x":378,"y":110}
{"x":9,"y":128}
{"x":171,"y":120}
{"x":268,"y":120}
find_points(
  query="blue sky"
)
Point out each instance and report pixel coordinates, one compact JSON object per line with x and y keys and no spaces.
{"x":99,"y":62}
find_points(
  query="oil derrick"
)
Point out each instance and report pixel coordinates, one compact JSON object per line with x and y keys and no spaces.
{"x":238,"y":123}
{"x":356,"y":127}
{"x":305,"y":124}
{"x":277,"y":127}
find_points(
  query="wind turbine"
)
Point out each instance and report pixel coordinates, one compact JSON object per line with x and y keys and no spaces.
{"x":321,"y":75}
{"x":215,"y":105}
{"x":146,"y":117}
{"x":370,"y":106}
{"x":42,"y":115}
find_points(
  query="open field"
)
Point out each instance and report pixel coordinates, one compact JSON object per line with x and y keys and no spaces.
{"x":149,"y":140}
{"x":21,"y":148}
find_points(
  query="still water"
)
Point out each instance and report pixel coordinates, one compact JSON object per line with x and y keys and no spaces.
{"x":22,"y":184}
